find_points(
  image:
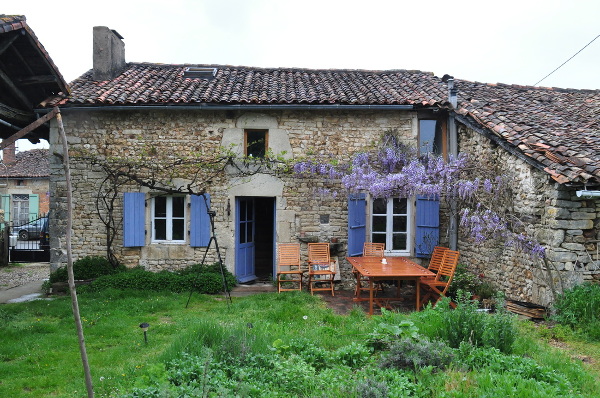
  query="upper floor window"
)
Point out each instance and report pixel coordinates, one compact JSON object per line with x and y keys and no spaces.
{"x":430,"y":137}
{"x":256,"y":143}
{"x":390,"y":224}
{"x":168,"y":218}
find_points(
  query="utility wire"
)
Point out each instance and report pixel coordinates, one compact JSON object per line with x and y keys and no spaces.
{"x":567,"y":60}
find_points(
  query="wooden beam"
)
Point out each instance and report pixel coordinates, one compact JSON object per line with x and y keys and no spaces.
{"x":23,"y":132}
{"x":17,"y":115}
{"x":4,"y":46}
{"x":16,"y":92}
{"x":37,"y":80}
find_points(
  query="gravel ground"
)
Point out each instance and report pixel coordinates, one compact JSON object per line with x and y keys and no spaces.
{"x":17,"y":275}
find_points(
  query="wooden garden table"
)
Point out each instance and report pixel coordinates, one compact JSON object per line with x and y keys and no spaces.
{"x":397,"y":268}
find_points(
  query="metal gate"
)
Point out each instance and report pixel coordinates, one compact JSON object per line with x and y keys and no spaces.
{"x":28,"y":242}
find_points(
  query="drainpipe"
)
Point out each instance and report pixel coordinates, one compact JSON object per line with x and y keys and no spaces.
{"x":453,"y":151}
{"x":585,"y":194}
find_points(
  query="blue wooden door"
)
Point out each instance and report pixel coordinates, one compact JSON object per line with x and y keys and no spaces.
{"x":244,"y":240}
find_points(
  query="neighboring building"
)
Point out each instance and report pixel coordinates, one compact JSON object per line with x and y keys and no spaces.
{"x":27,"y":77}
{"x":120,"y":108}
{"x":24,"y":185}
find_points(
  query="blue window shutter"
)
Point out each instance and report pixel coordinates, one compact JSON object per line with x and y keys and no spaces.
{"x":357,"y":223}
{"x":428,"y":225}
{"x":134,"y":211}
{"x":34,"y":207}
{"x":199,"y":221}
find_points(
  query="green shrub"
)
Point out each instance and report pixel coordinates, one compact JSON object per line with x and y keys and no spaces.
{"x":385,"y":334}
{"x":578,"y":305}
{"x":467,"y":324}
{"x":204,"y":280}
{"x":353,"y":355}
{"x":463,"y":280}
{"x":491,"y":359}
{"x":87,"y":268}
{"x":413,"y":354}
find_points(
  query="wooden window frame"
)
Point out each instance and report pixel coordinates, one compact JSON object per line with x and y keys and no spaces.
{"x":265,"y":131}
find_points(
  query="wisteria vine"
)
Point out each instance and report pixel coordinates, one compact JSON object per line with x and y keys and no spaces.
{"x":395,"y":170}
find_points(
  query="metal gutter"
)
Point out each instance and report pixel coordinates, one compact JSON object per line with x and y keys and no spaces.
{"x":232,"y":107}
{"x":7,"y":124}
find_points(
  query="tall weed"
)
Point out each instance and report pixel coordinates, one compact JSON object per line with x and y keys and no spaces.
{"x":467,"y":324}
{"x":578,"y":308}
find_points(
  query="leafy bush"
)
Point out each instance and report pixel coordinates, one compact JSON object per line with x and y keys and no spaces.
{"x":87,"y":268}
{"x":204,"y":280}
{"x":467,"y":324}
{"x":353,"y":355}
{"x":385,"y":334}
{"x":413,"y":354}
{"x":578,"y":306}
{"x":463,"y":280}
{"x":493,"y":360}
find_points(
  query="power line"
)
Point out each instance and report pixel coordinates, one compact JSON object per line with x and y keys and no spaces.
{"x":567,"y":60}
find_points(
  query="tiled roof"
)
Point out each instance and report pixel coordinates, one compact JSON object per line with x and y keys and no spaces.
{"x":11,"y":22}
{"x":150,"y":84}
{"x":559,"y":128}
{"x":28,"y":164}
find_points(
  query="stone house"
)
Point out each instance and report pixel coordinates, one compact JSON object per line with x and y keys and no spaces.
{"x":127,"y":109}
{"x":24,"y":185}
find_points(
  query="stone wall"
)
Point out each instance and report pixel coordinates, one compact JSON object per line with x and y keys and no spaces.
{"x":565,"y":224}
{"x":298,"y":209}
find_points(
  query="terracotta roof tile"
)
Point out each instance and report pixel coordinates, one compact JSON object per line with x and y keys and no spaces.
{"x":28,"y":164}
{"x":144,"y":83}
{"x":560,"y":128}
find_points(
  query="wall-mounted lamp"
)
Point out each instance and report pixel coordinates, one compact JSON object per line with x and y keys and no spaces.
{"x":145,"y":327}
{"x":228,"y":209}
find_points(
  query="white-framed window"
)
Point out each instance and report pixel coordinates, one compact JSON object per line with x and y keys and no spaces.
{"x":20,"y":215}
{"x":168,"y":219}
{"x":391,"y":223}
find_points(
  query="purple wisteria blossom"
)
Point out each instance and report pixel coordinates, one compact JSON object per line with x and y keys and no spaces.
{"x":394,"y":170}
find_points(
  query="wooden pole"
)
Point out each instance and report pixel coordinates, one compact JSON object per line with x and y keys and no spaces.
{"x":21,"y":133}
{"x":75,"y":304}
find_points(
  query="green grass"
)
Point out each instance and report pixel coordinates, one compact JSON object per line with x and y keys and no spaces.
{"x":39,"y":355}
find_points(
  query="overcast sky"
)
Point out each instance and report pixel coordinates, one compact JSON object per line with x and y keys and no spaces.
{"x":509,"y":41}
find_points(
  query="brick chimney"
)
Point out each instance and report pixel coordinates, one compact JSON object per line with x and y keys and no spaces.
{"x":9,"y":154}
{"x":109,"y":53}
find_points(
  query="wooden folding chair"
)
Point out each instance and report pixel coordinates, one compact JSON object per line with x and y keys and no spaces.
{"x":288,"y":266}
{"x":370,"y":249}
{"x":436,"y":261}
{"x":436,"y":288}
{"x":320,"y":268}
{"x":436,"y":258}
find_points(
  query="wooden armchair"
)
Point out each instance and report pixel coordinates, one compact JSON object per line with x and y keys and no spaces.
{"x":370,"y":249}
{"x":288,"y":266}
{"x":320,"y":268}
{"x":436,"y":288}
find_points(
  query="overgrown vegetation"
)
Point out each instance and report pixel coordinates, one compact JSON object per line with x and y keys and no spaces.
{"x":578,"y":308}
{"x":87,"y":268}
{"x":205,"y":279}
{"x":269,"y":345}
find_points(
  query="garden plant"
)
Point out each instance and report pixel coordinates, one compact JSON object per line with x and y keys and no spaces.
{"x":275,"y":345}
